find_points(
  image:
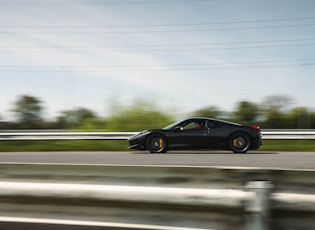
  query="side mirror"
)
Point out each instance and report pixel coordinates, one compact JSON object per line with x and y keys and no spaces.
{"x":177,"y":129}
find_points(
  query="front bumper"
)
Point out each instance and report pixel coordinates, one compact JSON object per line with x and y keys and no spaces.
{"x":138,"y":141}
{"x":136,"y":146}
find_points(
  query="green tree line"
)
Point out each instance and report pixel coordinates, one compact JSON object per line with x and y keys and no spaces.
{"x":275,"y":112}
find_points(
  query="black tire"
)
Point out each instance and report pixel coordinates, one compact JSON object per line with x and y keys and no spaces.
{"x":239,"y":142}
{"x":156,"y":143}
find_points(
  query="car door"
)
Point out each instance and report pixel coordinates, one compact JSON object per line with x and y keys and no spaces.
{"x":215,"y":135}
{"x":190,"y":137}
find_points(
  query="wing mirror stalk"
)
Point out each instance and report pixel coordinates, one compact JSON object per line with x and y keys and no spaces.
{"x":177,"y":129}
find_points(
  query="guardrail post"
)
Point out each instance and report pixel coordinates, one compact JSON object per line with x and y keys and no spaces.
{"x":259,"y":207}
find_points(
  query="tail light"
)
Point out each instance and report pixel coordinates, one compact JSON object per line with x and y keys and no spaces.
{"x":255,"y":127}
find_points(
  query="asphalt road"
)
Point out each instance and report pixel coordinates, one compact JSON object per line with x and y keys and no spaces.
{"x":292,"y":160}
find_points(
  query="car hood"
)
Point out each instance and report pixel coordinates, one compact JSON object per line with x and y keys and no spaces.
{"x":144,"y":132}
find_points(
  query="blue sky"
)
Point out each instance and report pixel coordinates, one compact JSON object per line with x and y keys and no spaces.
{"x":182,"y":55}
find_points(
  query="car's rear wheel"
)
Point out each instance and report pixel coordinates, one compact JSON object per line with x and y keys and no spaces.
{"x":156,"y":143}
{"x":239,"y":142}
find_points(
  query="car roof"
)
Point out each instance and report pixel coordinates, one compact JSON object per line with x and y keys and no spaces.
{"x":212,"y":119}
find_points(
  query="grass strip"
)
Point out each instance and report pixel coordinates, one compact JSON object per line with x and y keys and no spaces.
{"x":120,"y":145}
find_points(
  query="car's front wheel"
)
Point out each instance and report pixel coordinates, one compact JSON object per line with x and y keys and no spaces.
{"x":156,"y":143}
{"x":239,"y":142}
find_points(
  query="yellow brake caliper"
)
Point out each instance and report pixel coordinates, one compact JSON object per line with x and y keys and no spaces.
{"x":234,"y":142}
{"x":161,"y":143}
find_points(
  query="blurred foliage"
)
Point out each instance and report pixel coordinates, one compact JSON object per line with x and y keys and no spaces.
{"x":71,"y":119}
{"x":29,"y":111}
{"x":275,"y":112}
{"x":300,"y":118}
{"x":210,"y":111}
{"x":141,"y":115}
{"x":246,"y":113}
{"x":277,"y":102}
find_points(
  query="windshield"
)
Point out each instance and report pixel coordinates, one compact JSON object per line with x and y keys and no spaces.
{"x":172,"y":126}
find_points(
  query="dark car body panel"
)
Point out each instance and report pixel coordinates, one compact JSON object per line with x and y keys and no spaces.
{"x":214,"y":134}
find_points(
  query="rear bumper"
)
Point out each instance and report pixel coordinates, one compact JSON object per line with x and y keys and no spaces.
{"x":257,"y":142}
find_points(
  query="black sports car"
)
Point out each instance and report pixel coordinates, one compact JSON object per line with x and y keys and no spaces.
{"x":198,"y":133}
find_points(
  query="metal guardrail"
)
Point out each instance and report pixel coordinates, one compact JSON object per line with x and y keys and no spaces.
{"x":267,"y":135}
{"x":25,"y":136}
{"x":288,"y":135}
{"x":158,"y":197}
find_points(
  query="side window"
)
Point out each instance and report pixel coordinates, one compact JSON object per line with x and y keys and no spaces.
{"x":188,"y":126}
{"x":194,"y":125}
